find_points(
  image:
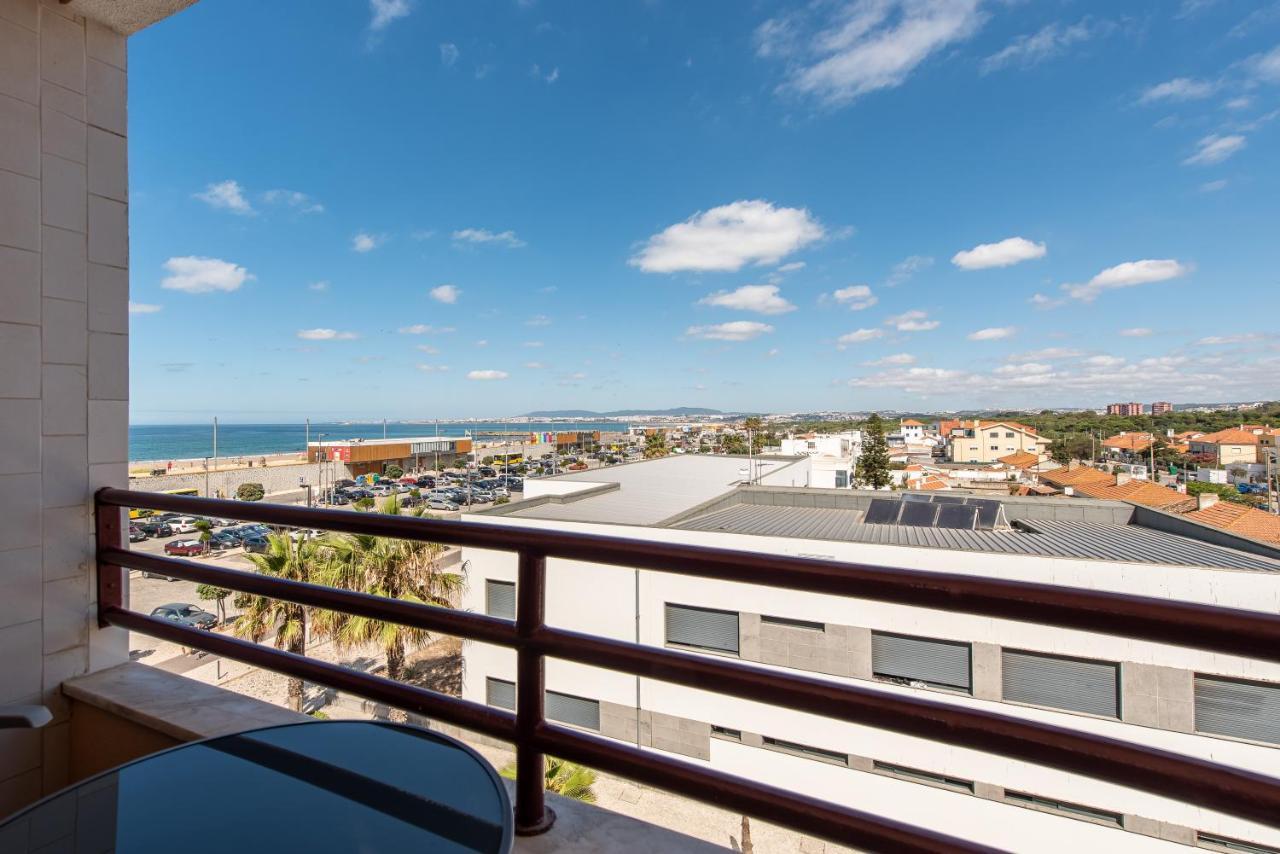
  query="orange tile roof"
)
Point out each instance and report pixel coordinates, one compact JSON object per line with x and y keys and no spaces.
{"x":1138,"y":491}
{"x":928,"y":482}
{"x":911,"y":422}
{"x":1230,"y":436}
{"x":945,"y":427}
{"x":1239,"y":519}
{"x":1070,"y":477}
{"x":1186,"y":435}
{"x":1019,"y":459}
{"x":1129,"y":442}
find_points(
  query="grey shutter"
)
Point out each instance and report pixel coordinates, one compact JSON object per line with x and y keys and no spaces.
{"x":500,"y":599}
{"x":500,"y":693}
{"x":702,"y":627}
{"x":1061,"y":683}
{"x":934,"y":661}
{"x":569,"y":709}
{"x":1240,"y":709}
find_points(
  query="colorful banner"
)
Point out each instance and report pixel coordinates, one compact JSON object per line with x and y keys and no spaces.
{"x":542,"y":438}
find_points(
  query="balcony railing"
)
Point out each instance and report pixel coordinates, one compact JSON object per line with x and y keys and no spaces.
{"x":1218,"y":787}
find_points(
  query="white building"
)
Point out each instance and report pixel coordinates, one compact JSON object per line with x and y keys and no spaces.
{"x":1203,"y":704}
{"x":833,"y":457}
{"x":912,"y":431}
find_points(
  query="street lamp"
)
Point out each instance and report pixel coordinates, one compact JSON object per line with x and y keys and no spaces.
{"x":320,"y":467}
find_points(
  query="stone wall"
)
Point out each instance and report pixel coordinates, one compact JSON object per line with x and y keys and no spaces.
{"x":274,"y":479}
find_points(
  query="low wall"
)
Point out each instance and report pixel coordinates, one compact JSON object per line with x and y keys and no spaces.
{"x":274,"y":479}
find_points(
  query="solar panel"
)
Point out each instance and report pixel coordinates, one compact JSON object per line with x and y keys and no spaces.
{"x":921,"y":497}
{"x":948,"y":499}
{"x":882,"y":511}
{"x":918,"y":515}
{"x":959,"y":516}
{"x":988,"y":512}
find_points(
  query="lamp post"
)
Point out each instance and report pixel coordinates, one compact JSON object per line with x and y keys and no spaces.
{"x":320,"y":467}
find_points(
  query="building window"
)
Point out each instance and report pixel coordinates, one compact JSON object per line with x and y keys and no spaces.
{"x":915,"y":775}
{"x":995,"y":447}
{"x":1008,"y":435}
{"x":568,"y":709}
{"x":936,"y":663}
{"x":994,"y":434}
{"x":1071,"y":810}
{"x":726,"y":733}
{"x":702,"y":628}
{"x":789,"y":623}
{"x":1213,"y":842}
{"x":831,"y":757}
{"x":1239,"y":709}
{"x":500,"y":599}
{"x":842,"y":479}
{"x":1074,"y":684}
{"x":500,"y":693}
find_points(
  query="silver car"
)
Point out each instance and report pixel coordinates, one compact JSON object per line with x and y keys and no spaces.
{"x":441,"y":504}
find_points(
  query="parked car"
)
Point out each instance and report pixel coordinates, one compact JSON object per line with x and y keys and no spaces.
{"x":216,"y":522}
{"x":481,"y":496}
{"x":409,"y":480}
{"x":184,"y":548}
{"x":136,"y":534}
{"x":488,"y":471}
{"x":338,"y":499}
{"x":440,"y":504}
{"x":255,"y":543}
{"x":222,"y":541}
{"x":154,"y":528}
{"x":427,"y":481}
{"x":343,"y":483}
{"x":187,"y":615}
{"x":184,"y":525}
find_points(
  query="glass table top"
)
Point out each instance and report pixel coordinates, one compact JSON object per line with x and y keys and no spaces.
{"x":312,"y":787}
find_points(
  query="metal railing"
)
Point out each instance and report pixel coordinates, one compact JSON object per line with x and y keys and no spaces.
{"x":1222,"y":788}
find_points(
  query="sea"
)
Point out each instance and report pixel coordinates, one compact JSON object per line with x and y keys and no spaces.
{"x":195,"y":441}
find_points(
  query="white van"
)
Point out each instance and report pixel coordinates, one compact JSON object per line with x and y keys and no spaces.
{"x":184,"y":525}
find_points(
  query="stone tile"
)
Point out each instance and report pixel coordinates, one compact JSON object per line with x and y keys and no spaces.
{"x":19,"y":137}
{"x":62,"y":135}
{"x":108,"y":431}
{"x":107,"y":647}
{"x":108,"y":366}
{"x":108,"y":299}
{"x":21,"y":12}
{"x":19,"y":791}
{"x":68,"y":543}
{"x":20,"y":356}
{"x":20,"y":588}
{"x":65,"y":475}
{"x":19,"y":286}
{"x":19,"y":74}
{"x":19,"y":209}
{"x":21,"y":662}
{"x":64,"y":193}
{"x":19,"y":513}
{"x":108,"y":165}
{"x":64,"y":265}
{"x":66,"y":615}
{"x":108,"y":232}
{"x":66,"y":332}
{"x":108,"y":474}
{"x":105,"y":44}
{"x":20,"y":427}
{"x":62,"y":52}
{"x":65,"y":400}
{"x":21,"y":749}
{"x":62,"y":100}
{"x":107,"y":97}
{"x":60,"y":666}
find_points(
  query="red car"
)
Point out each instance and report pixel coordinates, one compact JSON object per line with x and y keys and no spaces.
{"x":184,"y":548}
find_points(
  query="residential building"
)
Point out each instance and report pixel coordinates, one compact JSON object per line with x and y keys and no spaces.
{"x":1127,"y":446}
{"x":1233,"y":445}
{"x":833,"y":457}
{"x":1148,"y":693}
{"x":1236,"y":518}
{"x":912,"y":431}
{"x":987,"y":441}
{"x":1127,"y":409}
{"x":1160,"y":407}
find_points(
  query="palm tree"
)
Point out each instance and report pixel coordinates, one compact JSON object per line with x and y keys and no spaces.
{"x":655,"y":445}
{"x":383,"y":566}
{"x":292,"y":560}
{"x":563,"y":778}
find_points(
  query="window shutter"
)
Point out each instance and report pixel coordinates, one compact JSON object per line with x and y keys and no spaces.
{"x":1239,"y":709}
{"x":703,"y":628}
{"x":569,"y":709}
{"x":500,"y":599}
{"x":500,"y":693}
{"x":1061,"y":683}
{"x":934,"y":661}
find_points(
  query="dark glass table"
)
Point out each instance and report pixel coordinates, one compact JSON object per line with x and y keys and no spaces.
{"x":310,"y":788}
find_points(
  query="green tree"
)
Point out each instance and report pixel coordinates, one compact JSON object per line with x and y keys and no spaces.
{"x":363,"y":504}
{"x":563,"y":778}
{"x":735,"y":443}
{"x":284,"y":622}
{"x":1225,"y":491}
{"x":250,"y":492}
{"x":206,"y":532}
{"x":873,"y":463}
{"x":393,"y":471}
{"x":217,"y":595}
{"x":655,"y":445}
{"x":406,"y":570}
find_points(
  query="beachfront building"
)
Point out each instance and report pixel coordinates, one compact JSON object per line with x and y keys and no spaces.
{"x":1200,"y":704}
{"x":350,"y":458}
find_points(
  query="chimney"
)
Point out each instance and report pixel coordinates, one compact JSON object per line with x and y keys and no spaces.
{"x":1122,"y":477}
{"x":1205,"y":500}
{"x":1073,"y":465}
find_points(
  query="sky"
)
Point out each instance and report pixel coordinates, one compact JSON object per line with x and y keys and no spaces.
{"x":413,"y":209}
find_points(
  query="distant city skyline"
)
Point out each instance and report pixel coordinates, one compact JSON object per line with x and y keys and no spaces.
{"x":503,"y":207}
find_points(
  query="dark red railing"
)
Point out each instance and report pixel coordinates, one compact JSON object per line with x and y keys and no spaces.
{"x":1218,"y":787}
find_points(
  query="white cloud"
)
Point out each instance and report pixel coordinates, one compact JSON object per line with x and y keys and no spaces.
{"x":449,"y":54}
{"x":447,"y":294}
{"x":1238,"y":338}
{"x":538,"y":320}
{"x":761,"y":299}
{"x":1104,"y":361}
{"x":534,"y":366}
{"x":1045,"y":302}
{"x":1127,"y":275}
{"x":772,"y":352}
{"x":1215,"y":149}
{"x":424,"y":329}
{"x":143,"y":307}
{"x":487,"y":375}
{"x":912,"y":321}
{"x":838,"y":53}
{"x":226,"y":195}
{"x":1006,"y":253}
{"x":433,"y":369}
{"x":532,"y":344}
{"x":1046,"y":353}
{"x":550,"y":77}
{"x":793,"y":267}
{"x":858,"y":336}
{"x":385,"y":12}
{"x":896,"y":359}
{"x":1050,"y":41}
{"x":735,"y":330}
{"x":321,"y":334}
{"x":1266,"y":66}
{"x":197,"y":275}
{"x":320,"y":286}
{"x":484,"y":236}
{"x":483,"y":342}
{"x":992,"y":333}
{"x":365,"y":242}
{"x":1179,"y":89}
{"x":300,"y":202}
{"x":427,"y":348}
{"x":1213,"y":186}
{"x":906,"y":268}
{"x":1137,"y":332}
{"x":728,"y":237}
{"x":855,"y":297}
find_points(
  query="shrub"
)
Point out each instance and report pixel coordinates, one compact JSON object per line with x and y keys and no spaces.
{"x":393,"y":471}
{"x":501,"y":499}
{"x":250,"y":492}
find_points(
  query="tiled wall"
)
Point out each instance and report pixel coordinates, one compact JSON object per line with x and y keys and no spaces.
{"x":64,"y":293}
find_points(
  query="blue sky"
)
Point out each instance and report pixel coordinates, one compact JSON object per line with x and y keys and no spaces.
{"x":413,"y":209}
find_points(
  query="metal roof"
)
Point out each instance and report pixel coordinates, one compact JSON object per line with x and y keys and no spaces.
{"x":1087,"y":540}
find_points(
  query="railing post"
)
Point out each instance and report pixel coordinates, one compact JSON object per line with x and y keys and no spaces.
{"x":109,"y":532}
{"x":532,"y":814}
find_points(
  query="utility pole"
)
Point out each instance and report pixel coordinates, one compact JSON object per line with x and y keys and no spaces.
{"x":384,"y":428}
{"x":206,"y":477}
{"x":215,"y":441}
